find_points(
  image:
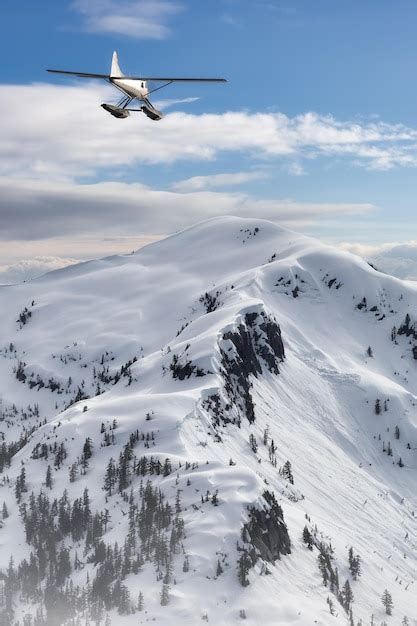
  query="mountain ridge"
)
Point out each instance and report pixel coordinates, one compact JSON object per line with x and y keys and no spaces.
{"x":241,"y":346}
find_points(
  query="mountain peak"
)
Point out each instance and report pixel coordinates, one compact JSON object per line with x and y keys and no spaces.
{"x":232,"y":401}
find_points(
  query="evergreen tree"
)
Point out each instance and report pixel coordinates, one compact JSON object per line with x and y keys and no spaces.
{"x":88,"y":448}
{"x":322,"y":561}
{"x":48,"y":479}
{"x":105,"y":518}
{"x":73,"y":471}
{"x":87,"y":453}
{"x":5,"y":512}
{"x":22,"y":479}
{"x":124,"y":468}
{"x":354,"y":564}
{"x":10,"y":586}
{"x":141,"y":604}
{"x":110,"y":477}
{"x":165,"y":595}
{"x":167,"y":469}
{"x":307,"y":538}
{"x":63,"y":569}
{"x":243,"y":565}
{"x":60,"y":456}
{"x":253,"y":444}
{"x":178,"y":502}
{"x":334,"y":580}
{"x":331,"y":605}
{"x":121,"y":598}
{"x":346,"y":596}
{"x":387,"y":602}
{"x":350,"y":558}
{"x":287,"y":472}
{"x":219,"y":569}
{"x":168,"y":573}
{"x":80,"y":396}
{"x":86,"y":507}
{"x":272,"y":453}
{"x":20,"y":485}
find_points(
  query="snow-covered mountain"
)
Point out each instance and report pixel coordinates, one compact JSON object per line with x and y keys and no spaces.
{"x":202,"y":430}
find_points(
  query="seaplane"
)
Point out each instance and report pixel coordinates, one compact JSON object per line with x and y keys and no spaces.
{"x":135,"y":89}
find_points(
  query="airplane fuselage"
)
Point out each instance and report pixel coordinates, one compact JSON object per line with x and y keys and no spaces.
{"x":133,"y":88}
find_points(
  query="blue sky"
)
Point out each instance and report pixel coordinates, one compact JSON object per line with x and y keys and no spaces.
{"x":317,"y":127}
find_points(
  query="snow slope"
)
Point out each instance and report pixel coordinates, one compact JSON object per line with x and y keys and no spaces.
{"x":195,"y":320}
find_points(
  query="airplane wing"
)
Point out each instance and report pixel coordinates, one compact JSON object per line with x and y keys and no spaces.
{"x":169,"y":79}
{"x":81,"y":74}
{"x":177,"y":80}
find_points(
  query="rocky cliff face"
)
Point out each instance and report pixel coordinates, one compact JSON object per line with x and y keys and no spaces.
{"x":266,"y":530}
{"x":255,"y":346}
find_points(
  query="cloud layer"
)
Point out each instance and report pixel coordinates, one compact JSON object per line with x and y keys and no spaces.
{"x":73,"y":137}
{"x":37,"y":209}
{"x":398,"y":259}
{"x":31,"y":268}
{"x":216,"y":181}
{"x":140,"y":19}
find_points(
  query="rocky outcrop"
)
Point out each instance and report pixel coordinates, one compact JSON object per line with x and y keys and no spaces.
{"x":266,"y":531}
{"x":407,"y":328}
{"x":255,"y":345}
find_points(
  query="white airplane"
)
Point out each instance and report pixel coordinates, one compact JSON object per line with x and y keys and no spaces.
{"x":134,"y":88}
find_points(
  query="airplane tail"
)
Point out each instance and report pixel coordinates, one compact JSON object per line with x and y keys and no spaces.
{"x":115,"y":71}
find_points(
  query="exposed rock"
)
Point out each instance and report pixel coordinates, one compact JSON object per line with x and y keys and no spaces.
{"x":256,"y":343}
{"x":211,"y":301}
{"x":184,"y":370}
{"x":407,"y":328}
{"x":267,"y":531}
{"x":217,"y":409}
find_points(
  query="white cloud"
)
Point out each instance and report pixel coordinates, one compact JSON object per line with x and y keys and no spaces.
{"x":45,"y":154}
{"x":364,"y":249}
{"x":141,"y":19}
{"x":165,"y":104}
{"x":73,"y":137}
{"x":398,"y":259}
{"x":296,"y":169}
{"x":70,"y":249}
{"x":27,"y":269}
{"x":216,"y":181}
{"x":39,"y":209}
